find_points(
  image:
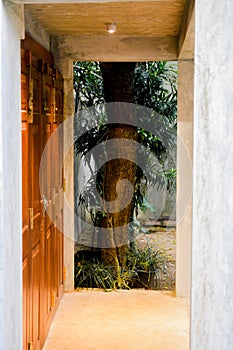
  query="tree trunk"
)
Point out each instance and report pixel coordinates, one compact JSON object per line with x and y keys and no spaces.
{"x":119,"y":87}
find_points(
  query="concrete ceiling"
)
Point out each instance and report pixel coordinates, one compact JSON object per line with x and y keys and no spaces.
{"x":153,"y":18}
{"x":169,"y":23}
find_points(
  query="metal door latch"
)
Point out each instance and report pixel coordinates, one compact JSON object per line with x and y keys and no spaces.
{"x":45,"y":203}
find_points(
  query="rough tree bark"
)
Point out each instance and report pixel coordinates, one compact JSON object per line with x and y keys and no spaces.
{"x":119,"y":87}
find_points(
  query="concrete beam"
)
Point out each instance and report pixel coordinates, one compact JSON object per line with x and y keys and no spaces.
{"x":187,"y":29}
{"x":117,"y":48}
{"x":34,"y":2}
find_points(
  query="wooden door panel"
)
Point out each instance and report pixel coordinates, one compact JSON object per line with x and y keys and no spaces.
{"x":25,"y":201}
{"x":26,"y":300}
{"x":35,"y":198}
{"x":24,"y":129}
{"x":35,"y":220}
{"x":55,"y":262}
{"x":24,"y":95}
{"x":35,"y":290}
{"x":61,"y":260}
{"x":41,"y":113}
{"x":48,"y":274}
{"x":25,"y":205}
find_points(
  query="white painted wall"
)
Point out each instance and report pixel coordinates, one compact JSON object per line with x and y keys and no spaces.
{"x":11,"y":19}
{"x":212,"y":253}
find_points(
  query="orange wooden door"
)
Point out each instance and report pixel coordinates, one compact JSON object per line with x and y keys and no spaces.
{"x":53,"y":244}
{"x":32,"y":212}
{"x":42,"y":241}
{"x":25,"y":203}
{"x":35,"y":209}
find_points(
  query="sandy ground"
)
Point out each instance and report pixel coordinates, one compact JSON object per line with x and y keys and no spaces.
{"x":120,"y":320}
{"x":163,"y":239}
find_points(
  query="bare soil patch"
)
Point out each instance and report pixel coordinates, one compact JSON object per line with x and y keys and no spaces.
{"x":164,"y":239}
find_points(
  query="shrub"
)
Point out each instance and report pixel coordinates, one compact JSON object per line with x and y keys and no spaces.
{"x":91,"y":273}
{"x":142,"y":270}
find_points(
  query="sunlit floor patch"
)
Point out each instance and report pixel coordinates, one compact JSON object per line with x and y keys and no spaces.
{"x":119,"y":320}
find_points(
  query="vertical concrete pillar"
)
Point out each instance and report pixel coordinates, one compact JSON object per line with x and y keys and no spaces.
{"x":184,"y":177}
{"x":69,"y":178}
{"x":11,"y":29}
{"x":65,"y":66}
{"x":212,"y":251}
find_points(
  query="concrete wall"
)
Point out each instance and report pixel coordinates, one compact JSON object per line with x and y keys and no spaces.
{"x":184,"y":177}
{"x":37,"y":32}
{"x":212,"y":252}
{"x":65,"y":65}
{"x":11,"y":19}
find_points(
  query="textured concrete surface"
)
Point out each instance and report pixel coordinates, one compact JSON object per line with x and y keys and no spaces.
{"x":184,"y":177}
{"x":11,"y":28}
{"x":212,"y":260}
{"x":132,"y":320}
{"x":65,"y":66}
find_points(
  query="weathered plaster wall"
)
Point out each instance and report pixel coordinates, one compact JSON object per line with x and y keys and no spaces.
{"x":11,"y":19}
{"x":184,"y":177}
{"x":212,"y":258}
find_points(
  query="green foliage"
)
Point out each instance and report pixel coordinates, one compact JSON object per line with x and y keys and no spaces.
{"x":91,"y":273}
{"x":149,"y":265}
{"x":146,"y":259}
{"x":88,"y":84}
{"x":156,"y":88}
{"x":170,"y":175}
{"x":124,"y":279}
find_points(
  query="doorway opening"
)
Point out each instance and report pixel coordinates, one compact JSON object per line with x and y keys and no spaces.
{"x":148,"y":258}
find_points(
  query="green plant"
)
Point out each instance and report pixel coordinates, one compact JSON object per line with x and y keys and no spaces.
{"x":93,"y":274}
{"x":90,"y":272}
{"x":88,"y":85}
{"x":147,"y":263}
{"x":125,"y":279}
{"x":142,"y":269}
{"x":156,"y":87}
{"x":146,"y":259}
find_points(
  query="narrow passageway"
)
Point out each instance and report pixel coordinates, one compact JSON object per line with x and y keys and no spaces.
{"x":132,"y":320}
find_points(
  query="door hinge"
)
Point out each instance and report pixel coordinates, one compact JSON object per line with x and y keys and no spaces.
{"x":54,"y":108}
{"x":28,"y":58}
{"x":54,"y":196}
{"x":30,"y":347}
{"x":30,"y":88}
{"x":31,"y":218}
{"x":30,"y":101}
{"x":53,"y":297}
{"x":64,"y":184}
{"x":64,"y":273}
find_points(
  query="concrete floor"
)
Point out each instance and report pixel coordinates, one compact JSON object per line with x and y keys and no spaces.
{"x":120,"y":320}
